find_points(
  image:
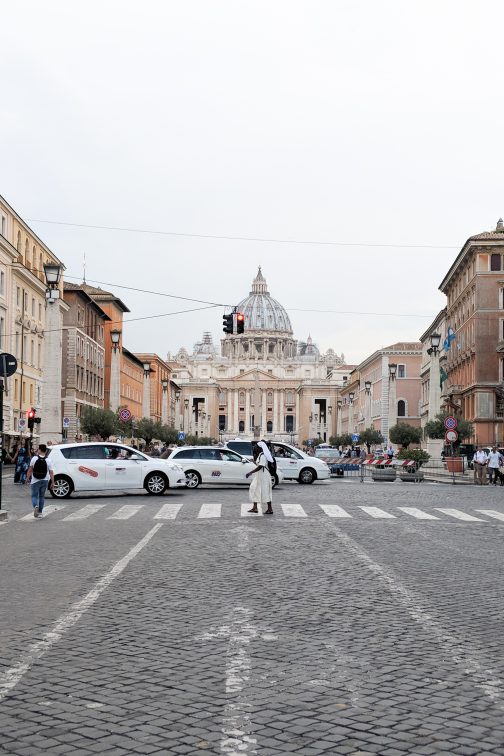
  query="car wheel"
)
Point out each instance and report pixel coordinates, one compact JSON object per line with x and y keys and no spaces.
{"x":307,"y":475}
{"x":193,"y":479}
{"x":62,"y":487}
{"x":155,"y":484}
{"x":274,"y":481}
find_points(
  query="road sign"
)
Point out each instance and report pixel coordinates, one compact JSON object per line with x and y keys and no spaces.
{"x":66,"y":422}
{"x":450,"y":422}
{"x":181,"y":436}
{"x":451,"y":436}
{"x":355,"y":437}
{"x":125,"y":414}
{"x":8,"y":365}
{"x":22,"y":424}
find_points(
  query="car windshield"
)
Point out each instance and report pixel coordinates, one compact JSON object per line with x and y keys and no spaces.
{"x":327,"y":453}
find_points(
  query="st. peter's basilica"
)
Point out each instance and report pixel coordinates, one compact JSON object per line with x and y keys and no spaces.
{"x":263,"y":383}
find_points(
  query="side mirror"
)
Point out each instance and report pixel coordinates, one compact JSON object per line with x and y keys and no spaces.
{"x":244,"y":461}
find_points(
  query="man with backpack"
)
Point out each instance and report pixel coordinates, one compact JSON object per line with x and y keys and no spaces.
{"x":40,"y":472}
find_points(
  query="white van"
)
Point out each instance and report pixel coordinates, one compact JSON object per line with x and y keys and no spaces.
{"x":293,"y":463}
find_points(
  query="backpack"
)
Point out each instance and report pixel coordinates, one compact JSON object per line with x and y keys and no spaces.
{"x":40,"y":468}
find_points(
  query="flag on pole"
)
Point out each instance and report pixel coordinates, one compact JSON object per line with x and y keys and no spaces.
{"x":443,"y":375}
{"x":450,"y":336}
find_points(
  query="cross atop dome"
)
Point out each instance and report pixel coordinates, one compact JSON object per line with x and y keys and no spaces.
{"x":259,"y":285}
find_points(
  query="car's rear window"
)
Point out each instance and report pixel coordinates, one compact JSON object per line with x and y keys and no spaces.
{"x":186,"y":454}
{"x":242,"y":447}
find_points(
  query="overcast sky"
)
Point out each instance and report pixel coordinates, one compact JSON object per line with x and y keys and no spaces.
{"x":352,"y":121}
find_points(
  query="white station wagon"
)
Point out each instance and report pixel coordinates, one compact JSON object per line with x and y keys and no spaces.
{"x":104,"y":466}
{"x":213,"y":464}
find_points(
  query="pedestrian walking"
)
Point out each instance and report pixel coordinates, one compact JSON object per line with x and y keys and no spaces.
{"x":260,"y":487}
{"x":22,"y":462}
{"x":40,"y":473}
{"x":480,"y":462}
{"x":495,"y":460}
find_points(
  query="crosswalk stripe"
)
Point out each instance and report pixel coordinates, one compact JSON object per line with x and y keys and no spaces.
{"x":85,"y":512}
{"x":492,"y":513}
{"x":293,"y":510}
{"x":168,"y":511}
{"x":378,"y":513}
{"x":48,"y":510}
{"x":245,"y":510}
{"x":124,"y":513}
{"x":333,"y":510}
{"x":459,"y":515}
{"x":210,"y":510}
{"x":419,"y":514}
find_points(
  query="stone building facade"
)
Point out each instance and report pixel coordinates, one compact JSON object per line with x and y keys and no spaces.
{"x":83,"y":371}
{"x":262,"y":383}
{"x":474,"y":287}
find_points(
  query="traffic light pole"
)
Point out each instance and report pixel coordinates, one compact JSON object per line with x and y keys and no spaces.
{"x":1,"y":436}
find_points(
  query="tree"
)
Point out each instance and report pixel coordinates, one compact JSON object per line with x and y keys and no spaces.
{"x":313,"y":441}
{"x":435,"y":428}
{"x":417,"y":455}
{"x":344,"y":440}
{"x":370,"y":436}
{"x":405,"y":434}
{"x":148,"y":429}
{"x":98,"y":422}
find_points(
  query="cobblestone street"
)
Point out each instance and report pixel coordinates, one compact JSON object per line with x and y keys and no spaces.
{"x":359,"y":619}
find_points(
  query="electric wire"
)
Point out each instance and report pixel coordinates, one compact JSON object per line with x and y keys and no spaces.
{"x":228,"y":237}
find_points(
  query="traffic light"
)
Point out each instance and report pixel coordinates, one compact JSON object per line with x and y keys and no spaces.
{"x":227,"y":322}
{"x":240,"y":322}
{"x":31,"y":419}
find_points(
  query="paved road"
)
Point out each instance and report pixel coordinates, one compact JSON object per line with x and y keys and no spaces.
{"x":359,"y":619}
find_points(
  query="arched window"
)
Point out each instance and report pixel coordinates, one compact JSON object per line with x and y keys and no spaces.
{"x":241,"y":426}
{"x":269,"y":427}
{"x":401,"y":408}
{"x":289,"y":397}
{"x":34,"y":258}
{"x":41,"y":267}
{"x":242,"y":397}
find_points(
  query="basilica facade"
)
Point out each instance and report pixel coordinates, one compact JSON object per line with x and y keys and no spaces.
{"x":263,"y":383}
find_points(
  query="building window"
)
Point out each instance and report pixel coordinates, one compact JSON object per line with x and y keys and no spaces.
{"x":18,"y":296}
{"x":401,"y":371}
{"x":269,"y":426}
{"x":289,"y":423}
{"x":2,"y":283}
{"x":495,"y":262}
{"x":241,"y":426}
{"x":33,"y":307}
{"x":222,"y":422}
{"x":401,"y":408}
{"x":3,"y":229}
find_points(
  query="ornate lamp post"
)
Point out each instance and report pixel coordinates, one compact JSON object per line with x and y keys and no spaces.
{"x":339,"y":405}
{"x":176,"y":419}
{"x":51,"y":428}
{"x":115,"y":370}
{"x":392,"y":413}
{"x":351,"y":396}
{"x":434,"y":446}
{"x":367,"y":389}
{"x":164,"y":401}
{"x":186,"y":407}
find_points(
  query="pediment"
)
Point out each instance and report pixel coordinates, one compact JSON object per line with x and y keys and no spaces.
{"x":249,"y":375}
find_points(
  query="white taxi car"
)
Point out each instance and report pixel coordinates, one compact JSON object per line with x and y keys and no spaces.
{"x":104,"y":466}
{"x":212,"y":464}
{"x":292,"y":463}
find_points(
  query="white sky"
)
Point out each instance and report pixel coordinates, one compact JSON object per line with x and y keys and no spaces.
{"x":331,"y":120}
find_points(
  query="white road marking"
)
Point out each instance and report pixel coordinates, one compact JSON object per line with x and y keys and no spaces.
{"x":245,"y":510}
{"x":10,"y":678}
{"x":462,"y":654}
{"x":48,"y":510}
{"x":124,"y":513}
{"x":168,"y":511}
{"x":492,"y":513}
{"x":378,"y":513}
{"x":293,"y":510}
{"x":333,"y":510}
{"x":459,"y":515}
{"x":82,"y":514}
{"x":236,"y":739}
{"x":419,"y":514}
{"x":210,"y":510}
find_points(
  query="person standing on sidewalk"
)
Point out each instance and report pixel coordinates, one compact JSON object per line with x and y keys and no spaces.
{"x":261,"y":488}
{"x":495,"y":461}
{"x":480,"y":462}
{"x":40,"y":473}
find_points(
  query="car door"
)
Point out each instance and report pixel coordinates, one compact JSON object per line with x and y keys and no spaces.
{"x":212,"y":467}
{"x":86,"y":465}
{"x":123,"y":469}
{"x":288,"y":461}
{"x":235,"y":467}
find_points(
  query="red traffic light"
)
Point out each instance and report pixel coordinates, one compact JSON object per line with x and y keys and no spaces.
{"x":31,"y":414}
{"x":240,"y":322}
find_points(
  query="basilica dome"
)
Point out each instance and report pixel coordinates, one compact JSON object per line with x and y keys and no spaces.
{"x":262,"y":312}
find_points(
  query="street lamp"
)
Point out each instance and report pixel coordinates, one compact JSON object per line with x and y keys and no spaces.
{"x":392,"y":413}
{"x":392,"y":370}
{"x":52,"y":272}
{"x":367,"y":387}
{"x":435,"y":340}
{"x":147,"y":368}
{"x":339,"y":405}
{"x":115,"y":336}
{"x":351,"y":396}
{"x":177,"y":395}
{"x":164,"y":384}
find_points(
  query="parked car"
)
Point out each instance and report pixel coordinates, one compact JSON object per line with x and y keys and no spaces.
{"x":104,"y":466}
{"x":213,"y":464}
{"x":293,"y":463}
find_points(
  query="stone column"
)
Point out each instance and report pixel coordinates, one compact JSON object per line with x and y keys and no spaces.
{"x":146,"y":408}
{"x":229,"y":410}
{"x":434,"y":446}
{"x":281,"y":411}
{"x":115,"y":379}
{"x":247,"y":411}
{"x":296,"y":418}
{"x":51,"y":425}
{"x":275,"y":411}
{"x":164,"y":407}
{"x":264,"y":411}
{"x":236,"y":411}
{"x":392,"y":412}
